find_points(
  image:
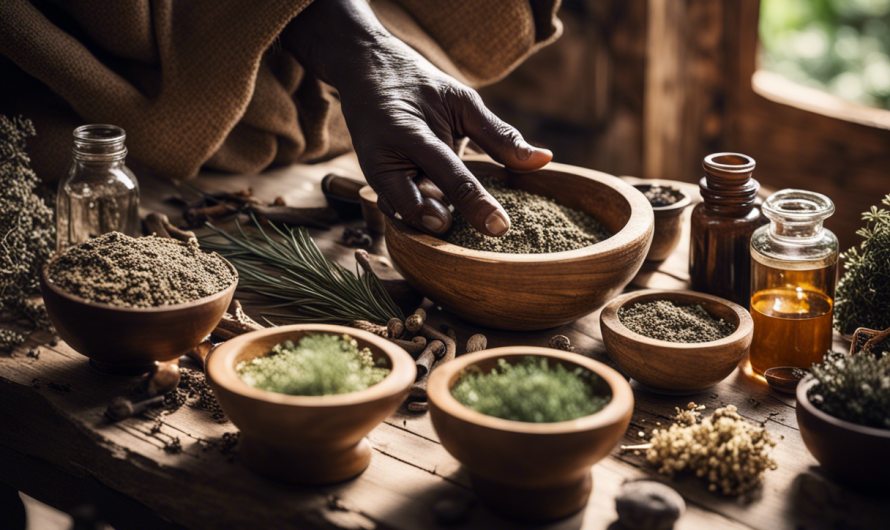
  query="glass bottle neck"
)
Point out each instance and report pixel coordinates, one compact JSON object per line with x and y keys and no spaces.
{"x":796,"y":232}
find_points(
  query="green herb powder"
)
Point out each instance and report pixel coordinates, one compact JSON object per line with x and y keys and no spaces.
{"x":538,"y":225}
{"x":533,"y":391}
{"x":662,"y":320}
{"x":319,"y":365}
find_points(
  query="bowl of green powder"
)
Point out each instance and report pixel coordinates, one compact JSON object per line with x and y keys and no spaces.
{"x":305,"y":396}
{"x":528,"y":424}
{"x":577,"y":238}
{"x":676,"y":342}
{"x":127,"y":302}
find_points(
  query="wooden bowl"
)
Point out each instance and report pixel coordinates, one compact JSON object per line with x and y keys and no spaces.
{"x":672,"y":367}
{"x":532,"y":471}
{"x":533,"y":291}
{"x":668,"y":223}
{"x":852,"y":453}
{"x":128,"y":340}
{"x":306,"y":439}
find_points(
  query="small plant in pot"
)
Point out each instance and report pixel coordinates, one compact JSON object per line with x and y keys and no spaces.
{"x":863,"y":293}
{"x":528,"y":424}
{"x":843,"y":411}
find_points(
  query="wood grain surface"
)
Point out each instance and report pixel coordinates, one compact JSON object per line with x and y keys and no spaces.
{"x":56,"y":446}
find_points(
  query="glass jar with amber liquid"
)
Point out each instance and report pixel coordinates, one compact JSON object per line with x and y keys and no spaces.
{"x":793,"y":276}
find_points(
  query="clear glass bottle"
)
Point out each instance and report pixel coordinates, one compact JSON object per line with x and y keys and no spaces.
{"x":100,"y":193}
{"x":722,"y":225}
{"x":794,"y":272}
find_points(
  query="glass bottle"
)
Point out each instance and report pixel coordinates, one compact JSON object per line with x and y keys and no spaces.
{"x":100,"y":193}
{"x":722,"y":225}
{"x":794,"y":271}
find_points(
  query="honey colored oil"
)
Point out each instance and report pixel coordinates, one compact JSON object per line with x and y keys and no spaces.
{"x":792,"y":312}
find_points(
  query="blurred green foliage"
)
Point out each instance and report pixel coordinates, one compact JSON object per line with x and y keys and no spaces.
{"x":839,"y":46}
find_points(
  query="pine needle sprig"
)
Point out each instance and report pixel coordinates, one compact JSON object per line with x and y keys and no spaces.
{"x":293,"y":272}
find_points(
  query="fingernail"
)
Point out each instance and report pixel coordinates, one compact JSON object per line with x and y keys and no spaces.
{"x":497,"y":222}
{"x":432,"y":220}
{"x":524,"y":151}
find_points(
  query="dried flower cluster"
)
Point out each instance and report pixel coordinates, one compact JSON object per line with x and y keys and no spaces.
{"x":854,"y":388}
{"x":27,"y":232}
{"x":863,"y":293}
{"x":730,"y":452}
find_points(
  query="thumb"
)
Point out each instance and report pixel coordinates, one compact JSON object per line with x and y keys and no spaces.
{"x":498,"y":138}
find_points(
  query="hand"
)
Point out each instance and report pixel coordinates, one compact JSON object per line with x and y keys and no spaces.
{"x":406,"y":117}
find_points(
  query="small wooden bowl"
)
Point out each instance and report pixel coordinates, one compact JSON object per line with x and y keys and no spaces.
{"x":672,"y":367}
{"x":533,"y":291}
{"x":306,"y":439}
{"x":128,"y":340}
{"x":853,"y":453}
{"x":668,"y":223}
{"x":531,"y":471}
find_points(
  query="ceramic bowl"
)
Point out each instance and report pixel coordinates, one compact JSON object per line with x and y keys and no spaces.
{"x":668,"y":224}
{"x":671,"y":367}
{"x":531,"y":471}
{"x":533,"y":291}
{"x":853,"y":453}
{"x":128,"y":340}
{"x":306,"y":439}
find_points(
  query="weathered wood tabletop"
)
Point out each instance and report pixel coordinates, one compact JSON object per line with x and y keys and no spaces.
{"x":56,"y":446}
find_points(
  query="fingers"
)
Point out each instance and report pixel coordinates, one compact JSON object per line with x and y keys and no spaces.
{"x":451,"y":176}
{"x":400,"y":198}
{"x":429,"y":189}
{"x":499,"y":139}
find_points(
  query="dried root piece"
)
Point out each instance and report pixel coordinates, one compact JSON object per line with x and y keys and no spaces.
{"x":428,"y":358}
{"x":396,"y":328}
{"x":450,"y":345}
{"x":476,"y":343}
{"x":415,"y":322}
{"x":561,"y":342}
{"x":414,"y":347}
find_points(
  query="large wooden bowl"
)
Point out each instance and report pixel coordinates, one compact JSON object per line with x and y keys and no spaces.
{"x":533,"y":291}
{"x":128,"y":340}
{"x":852,"y":453}
{"x":306,"y":439}
{"x":533,"y":471}
{"x":671,"y":367}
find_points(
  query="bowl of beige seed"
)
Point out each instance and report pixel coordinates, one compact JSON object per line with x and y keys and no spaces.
{"x":577,"y":238}
{"x":127,"y":302}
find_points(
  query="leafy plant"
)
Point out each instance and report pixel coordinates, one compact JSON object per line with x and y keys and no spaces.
{"x":294,"y":271}
{"x":854,"y":388}
{"x":863,"y":294}
{"x":27,"y":232}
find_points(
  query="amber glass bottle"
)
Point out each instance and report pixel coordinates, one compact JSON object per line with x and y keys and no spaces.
{"x":722,"y":225}
{"x":793,"y":280}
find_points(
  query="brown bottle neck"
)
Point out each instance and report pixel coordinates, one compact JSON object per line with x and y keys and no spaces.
{"x":728,"y":187}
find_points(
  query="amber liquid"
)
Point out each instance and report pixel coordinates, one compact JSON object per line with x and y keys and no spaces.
{"x":792,"y":312}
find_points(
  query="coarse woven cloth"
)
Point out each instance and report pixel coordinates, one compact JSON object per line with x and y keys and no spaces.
{"x":205,"y":82}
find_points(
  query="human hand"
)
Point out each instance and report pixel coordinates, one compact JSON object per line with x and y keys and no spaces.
{"x":406,"y":118}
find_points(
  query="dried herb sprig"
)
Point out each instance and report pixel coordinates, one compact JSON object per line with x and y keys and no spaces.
{"x":27,"y":232}
{"x":854,"y":388}
{"x":294,"y":271}
{"x":863,"y":293}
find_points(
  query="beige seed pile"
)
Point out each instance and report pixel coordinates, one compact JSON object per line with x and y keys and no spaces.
{"x":140,"y":272}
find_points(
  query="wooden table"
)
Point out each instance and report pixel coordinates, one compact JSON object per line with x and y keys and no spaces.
{"x":56,"y":446}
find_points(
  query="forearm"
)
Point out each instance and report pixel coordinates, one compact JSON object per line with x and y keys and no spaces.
{"x":335,"y":40}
